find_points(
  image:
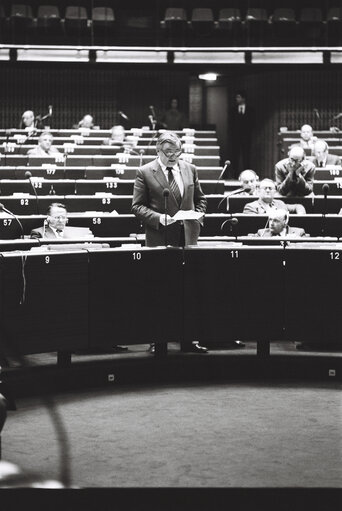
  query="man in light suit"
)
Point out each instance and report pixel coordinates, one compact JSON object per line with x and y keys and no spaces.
{"x":167,"y":178}
{"x":45,"y":147}
{"x":266,"y":202}
{"x":278,"y":226}
{"x":55,"y":225}
{"x":321,"y":156}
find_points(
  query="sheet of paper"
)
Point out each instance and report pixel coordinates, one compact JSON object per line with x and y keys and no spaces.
{"x":188,"y":215}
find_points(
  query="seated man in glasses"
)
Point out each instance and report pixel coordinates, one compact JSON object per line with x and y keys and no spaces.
{"x":55,"y":225}
{"x":295,"y":175}
{"x":267,"y":202}
{"x":45,"y":147}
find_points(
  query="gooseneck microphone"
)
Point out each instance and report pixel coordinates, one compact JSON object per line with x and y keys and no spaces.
{"x":325,"y":190}
{"x":123,"y":115}
{"x":227,"y":164}
{"x":141,"y":153}
{"x":233,"y":223}
{"x":28,"y":176}
{"x":2,"y":208}
{"x":166,"y":193}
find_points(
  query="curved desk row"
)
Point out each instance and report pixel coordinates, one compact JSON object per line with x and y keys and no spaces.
{"x":67,"y":301}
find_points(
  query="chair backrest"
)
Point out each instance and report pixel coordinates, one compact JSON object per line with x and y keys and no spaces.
{"x":48,"y":12}
{"x":256,"y":14}
{"x":284,"y":15}
{"x":21,"y":11}
{"x":102,"y":14}
{"x":202,"y":14}
{"x":309,"y":15}
{"x":73,"y":12}
{"x":229,"y":14}
{"x":175,"y":14}
{"x":334,"y":14}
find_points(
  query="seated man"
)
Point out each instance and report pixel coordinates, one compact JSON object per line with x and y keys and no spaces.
{"x":278,"y":226}
{"x":321,"y":156}
{"x":45,"y":147}
{"x":27,"y":121}
{"x":118,"y":136}
{"x":55,"y":225}
{"x":249,"y":183}
{"x":86,"y":122}
{"x":307,"y":138}
{"x":267,"y":203}
{"x":295,"y":175}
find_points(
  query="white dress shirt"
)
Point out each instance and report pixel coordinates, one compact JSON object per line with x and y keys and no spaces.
{"x":176,"y":174}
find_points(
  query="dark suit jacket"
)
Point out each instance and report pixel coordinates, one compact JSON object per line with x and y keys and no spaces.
{"x":69,"y":232}
{"x":332,"y":159}
{"x":291,"y":231}
{"x":148,"y":203}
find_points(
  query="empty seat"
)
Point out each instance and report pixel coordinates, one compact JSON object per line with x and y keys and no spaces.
{"x":202,"y":20}
{"x":76,"y":18}
{"x":284,"y":25}
{"x":334,"y":26}
{"x":256,"y":25}
{"x":48,"y":17}
{"x":103,"y":17}
{"x":21,"y":16}
{"x":311,"y":25}
{"x":175,"y":18}
{"x":230,"y":25}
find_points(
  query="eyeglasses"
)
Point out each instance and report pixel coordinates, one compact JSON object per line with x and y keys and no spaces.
{"x":169,"y":153}
{"x":59,"y":217}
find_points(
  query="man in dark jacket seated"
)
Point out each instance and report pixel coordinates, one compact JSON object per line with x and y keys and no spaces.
{"x":55,"y":225}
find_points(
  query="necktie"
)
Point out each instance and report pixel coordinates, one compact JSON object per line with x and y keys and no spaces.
{"x":59,"y":233}
{"x":321,"y":164}
{"x":173,"y":186}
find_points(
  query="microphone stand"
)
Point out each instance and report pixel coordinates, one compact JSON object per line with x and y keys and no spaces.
{"x":166,"y":193}
{"x":2,"y":208}
{"x":325,"y":189}
{"x":28,"y":175}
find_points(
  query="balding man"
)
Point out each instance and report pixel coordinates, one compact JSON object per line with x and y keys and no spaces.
{"x":294,"y":175}
{"x":249,"y":182}
{"x":86,"y":122}
{"x":321,"y":156}
{"x":307,"y":138}
{"x":278,"y":225}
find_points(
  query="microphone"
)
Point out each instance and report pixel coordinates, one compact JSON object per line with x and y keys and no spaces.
{"x":316,"y":112}
{"x":151,"y":107}
{"x":50,"y":110}
{"x":227,"y":164}
{"x":124,"y":116}
{"x":28,"y":176}
{"x":325,"y":190}
{"x":337,"y":116}
{"x":2,"y":208}
{"x":233,"y":223}
{"x":141,"y":152}
{"x":166,"y":193}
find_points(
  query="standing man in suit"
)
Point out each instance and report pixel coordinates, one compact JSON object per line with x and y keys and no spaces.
{"x":241,"y":120}
{"x":55,"y":225}
{"x":321,"y":156}
{"x":168,"y":175}
{"x":279,"y":225}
